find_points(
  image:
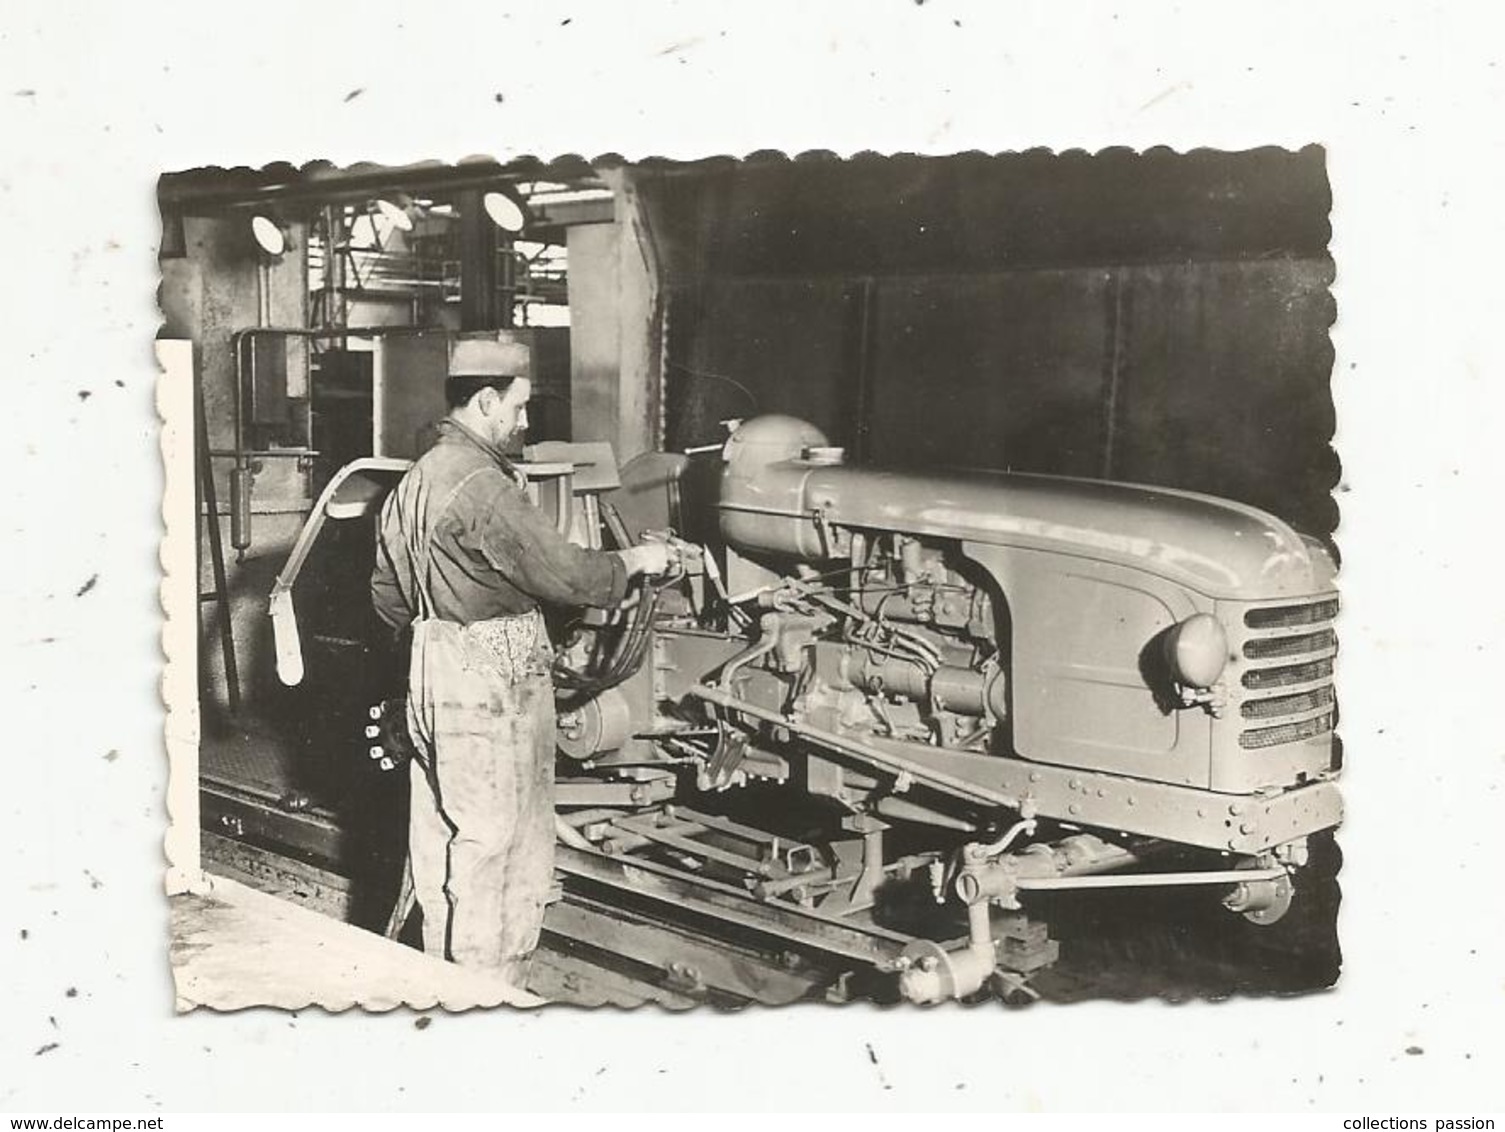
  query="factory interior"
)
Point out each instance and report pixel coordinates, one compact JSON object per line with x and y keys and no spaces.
{"x":1157,"y":319}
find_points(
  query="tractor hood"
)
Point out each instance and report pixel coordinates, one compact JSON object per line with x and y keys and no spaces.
{"x":1216,"y":547}
{"x":775,"y":501}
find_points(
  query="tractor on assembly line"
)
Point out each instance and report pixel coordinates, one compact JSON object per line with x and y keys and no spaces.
{"x":870,"y":715}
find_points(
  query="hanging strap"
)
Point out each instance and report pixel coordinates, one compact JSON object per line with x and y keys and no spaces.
{"x":421,"y":549}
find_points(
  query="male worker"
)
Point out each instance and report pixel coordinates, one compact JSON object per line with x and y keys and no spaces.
{"x":465,"y":558}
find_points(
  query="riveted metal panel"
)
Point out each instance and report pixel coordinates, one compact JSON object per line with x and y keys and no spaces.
{"x":1248,"y":823}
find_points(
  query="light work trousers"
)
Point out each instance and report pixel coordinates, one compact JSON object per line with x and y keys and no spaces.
{"x":481,"y":832}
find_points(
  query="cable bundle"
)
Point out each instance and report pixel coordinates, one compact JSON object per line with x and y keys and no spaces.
{"x":573,"y":687}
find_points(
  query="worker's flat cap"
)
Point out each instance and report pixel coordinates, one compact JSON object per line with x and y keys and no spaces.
{"x":486,"y":357}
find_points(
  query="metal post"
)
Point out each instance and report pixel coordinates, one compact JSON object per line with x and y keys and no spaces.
{"x":866,"y":362}
{"x":209,"y":500}
{"x":334,"y":267}
{"x":478,"y":289}
{"x":506,"y":291}
{"x":1114,"y":376}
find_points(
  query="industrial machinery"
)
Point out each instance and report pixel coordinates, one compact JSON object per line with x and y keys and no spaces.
{"x":873,"y":716}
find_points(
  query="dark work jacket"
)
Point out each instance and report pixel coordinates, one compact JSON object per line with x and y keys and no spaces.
{"x":491,"y":551}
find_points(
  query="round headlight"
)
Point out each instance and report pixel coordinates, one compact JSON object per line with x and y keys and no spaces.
{"x":1197,"y":650}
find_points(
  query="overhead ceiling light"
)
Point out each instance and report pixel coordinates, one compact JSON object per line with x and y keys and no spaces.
{"x":505,"y":212}
{"x":270,"y":236}
{"x":396,"y":215}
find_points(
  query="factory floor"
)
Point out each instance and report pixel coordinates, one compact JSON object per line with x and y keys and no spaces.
{"x":286,"y":928}
{"x":258,"y":755}
{"x":234,"y":947}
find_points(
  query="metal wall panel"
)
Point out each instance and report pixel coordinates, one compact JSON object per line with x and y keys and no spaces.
{"x":991,"y":371}
{"x":1154,"y":317}
{"x":1224,"y":384}
{"x":972,"y":212}
{"x":742,"y":347}
{"x":408,"y":393}
{"x":1210,"y":377}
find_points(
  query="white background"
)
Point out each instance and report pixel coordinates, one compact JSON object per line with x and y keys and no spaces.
{"x":97,"y":99}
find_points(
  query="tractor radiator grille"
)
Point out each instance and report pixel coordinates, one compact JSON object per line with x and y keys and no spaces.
{"x":1265,"y":648}
{"x":1290,"y":616}
{"x":1257,"y":679}
{"x":1298,"y":704}
{"x":1286,"y":732}
{"x":1287,"y":694}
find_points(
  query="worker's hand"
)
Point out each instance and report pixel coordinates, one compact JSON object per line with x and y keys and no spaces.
{"x":650,"y":558}
{"x":657,"y":558}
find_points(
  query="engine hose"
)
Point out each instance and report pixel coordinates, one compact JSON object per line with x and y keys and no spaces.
{"x":571,"y":678}
{"x":915,"y":647}
{"x":579,"y":687}
{"x":621,"y":658}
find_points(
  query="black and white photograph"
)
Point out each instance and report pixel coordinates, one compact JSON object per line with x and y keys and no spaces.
{"x":874,"y":558}
{"x":750,"y":581}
